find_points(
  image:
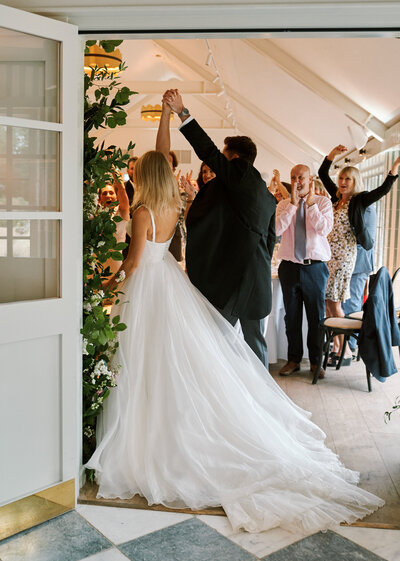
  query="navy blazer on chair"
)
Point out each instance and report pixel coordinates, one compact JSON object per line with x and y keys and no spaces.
{"x":380,"y":330}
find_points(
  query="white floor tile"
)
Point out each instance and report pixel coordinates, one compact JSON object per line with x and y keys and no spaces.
{"x":219,"y":523}
{"x":260,"y":544}
{"x":385,"y":543}
{"x":108,"y":555}
{"x":267,"y":542}
{"x":120,"y":525}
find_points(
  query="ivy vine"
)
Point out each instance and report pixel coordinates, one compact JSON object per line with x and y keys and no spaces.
{"x":103,"y":108}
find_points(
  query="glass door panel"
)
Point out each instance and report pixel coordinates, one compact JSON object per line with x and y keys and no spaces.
{"x":29,"y":260}
{"x":29,"y":87}
{"x":29,"y":169}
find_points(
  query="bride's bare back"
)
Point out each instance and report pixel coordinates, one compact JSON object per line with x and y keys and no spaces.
{"x":165,"y":225}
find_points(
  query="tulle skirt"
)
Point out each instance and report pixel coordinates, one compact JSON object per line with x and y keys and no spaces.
{"x":197,"y":421}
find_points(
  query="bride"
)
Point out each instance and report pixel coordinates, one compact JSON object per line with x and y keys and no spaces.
{"x":195,"y":419}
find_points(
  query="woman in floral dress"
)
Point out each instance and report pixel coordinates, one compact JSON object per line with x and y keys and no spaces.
{"x":349,"y":204}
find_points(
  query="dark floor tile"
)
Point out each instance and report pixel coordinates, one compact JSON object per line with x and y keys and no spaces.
{"x":324,"y":546}
{"x":65,"y":538}
{"x":190,"y":540}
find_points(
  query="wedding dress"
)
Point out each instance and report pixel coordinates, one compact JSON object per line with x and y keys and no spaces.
{"x":197,"y":421}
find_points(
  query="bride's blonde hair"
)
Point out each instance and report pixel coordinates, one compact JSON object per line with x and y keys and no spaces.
{"x":156,"y":186}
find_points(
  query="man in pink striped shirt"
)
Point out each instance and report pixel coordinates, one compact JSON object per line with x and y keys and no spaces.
{"x":303,"y":221}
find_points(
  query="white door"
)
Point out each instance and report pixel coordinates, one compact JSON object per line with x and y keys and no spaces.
{"x":40,"y":253}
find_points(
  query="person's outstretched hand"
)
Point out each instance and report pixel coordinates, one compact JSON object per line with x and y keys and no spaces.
{"x":294,"y":196}
{"x":395,"y":166}
{"x":339,"y":149}
{"x":310,"y":199}
{"x":188,"y":187}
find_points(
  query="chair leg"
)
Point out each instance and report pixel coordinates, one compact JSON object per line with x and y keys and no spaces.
{"x":339,"y":364}
{"x":329,"y":337}
{"x":369,"y":380}
{"x":322,"y":334}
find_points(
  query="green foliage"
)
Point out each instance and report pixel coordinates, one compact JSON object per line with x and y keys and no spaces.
{"x":395,"y":407}
{"x":104,"y":102}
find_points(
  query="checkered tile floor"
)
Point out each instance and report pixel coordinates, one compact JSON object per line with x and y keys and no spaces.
{"x":94,"y":533}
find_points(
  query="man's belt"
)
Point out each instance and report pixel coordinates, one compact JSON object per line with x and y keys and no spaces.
{"x":311,"y":261}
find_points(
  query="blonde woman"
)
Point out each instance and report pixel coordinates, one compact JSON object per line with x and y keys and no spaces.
{"x":195,"y":420}
{"x":349,"y":203}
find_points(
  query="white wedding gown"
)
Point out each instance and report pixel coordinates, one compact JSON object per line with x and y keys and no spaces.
{"x":197,"y":421}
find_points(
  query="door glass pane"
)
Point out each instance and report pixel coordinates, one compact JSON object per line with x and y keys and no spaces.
{"x":29,"y":179}
{"x":29,"y":259}
{"x":29,"y":87}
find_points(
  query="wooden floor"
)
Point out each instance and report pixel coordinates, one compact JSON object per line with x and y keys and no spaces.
{"x":353,"y":421}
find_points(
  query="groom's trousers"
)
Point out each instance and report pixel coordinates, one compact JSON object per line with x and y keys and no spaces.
{"x":253,"y":330}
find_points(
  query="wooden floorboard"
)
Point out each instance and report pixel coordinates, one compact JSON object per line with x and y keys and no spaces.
{"x":353,"y":420}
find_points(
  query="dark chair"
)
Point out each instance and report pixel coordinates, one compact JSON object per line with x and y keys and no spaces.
{"x":329,"y":328}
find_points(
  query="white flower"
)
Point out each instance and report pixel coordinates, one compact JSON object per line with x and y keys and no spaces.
{"x":84,"y":344}
{"x":100,"y":244}
{"x":119,"y":277}
{"x":87,"y":306}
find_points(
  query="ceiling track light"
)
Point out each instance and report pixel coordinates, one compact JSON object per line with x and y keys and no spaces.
{"x":220,"y":93}
{"x":229,"y":115}
{"x":216,"y":79}
{"x":209,"y":59}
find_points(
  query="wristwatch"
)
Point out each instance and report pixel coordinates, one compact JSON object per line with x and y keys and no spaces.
{"x":183,"y":113}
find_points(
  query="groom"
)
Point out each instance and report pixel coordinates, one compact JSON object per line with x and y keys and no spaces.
{"x":230,"y":230}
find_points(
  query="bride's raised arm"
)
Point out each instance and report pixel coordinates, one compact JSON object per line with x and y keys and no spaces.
{"x":141,"y":226}
{"x":163,"y":141}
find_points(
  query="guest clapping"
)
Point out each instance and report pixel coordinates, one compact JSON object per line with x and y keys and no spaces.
{"x":304,"y":221}
{"x":277,"y":188}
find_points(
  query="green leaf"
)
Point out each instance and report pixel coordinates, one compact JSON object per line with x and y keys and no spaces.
{"x":115,"y":320}
{"x":111,"y":122}
{"x":120,"y":327}
{"x":117,"y":256}
{"x":117,"y":219}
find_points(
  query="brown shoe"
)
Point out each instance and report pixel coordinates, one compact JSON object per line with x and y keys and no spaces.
{"x":289,"y":368}
{"x":313,"y":368}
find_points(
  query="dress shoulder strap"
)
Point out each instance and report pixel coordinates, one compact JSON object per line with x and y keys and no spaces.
{"x":153,"y":224}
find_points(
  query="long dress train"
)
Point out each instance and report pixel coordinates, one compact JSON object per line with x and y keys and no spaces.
{"x":196,"y":420}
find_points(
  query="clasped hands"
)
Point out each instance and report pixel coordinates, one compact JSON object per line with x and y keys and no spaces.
{"x":173,"y":100}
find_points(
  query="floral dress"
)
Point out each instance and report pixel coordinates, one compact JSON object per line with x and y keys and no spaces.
{"x":344,"y":254}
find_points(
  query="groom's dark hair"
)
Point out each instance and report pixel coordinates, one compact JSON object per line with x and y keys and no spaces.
{"x":243,"y":146}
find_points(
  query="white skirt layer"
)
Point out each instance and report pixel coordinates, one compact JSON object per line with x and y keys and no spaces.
{"x":196,"y":420}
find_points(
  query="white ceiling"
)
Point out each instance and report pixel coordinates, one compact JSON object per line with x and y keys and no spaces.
{"x":295,"y":97}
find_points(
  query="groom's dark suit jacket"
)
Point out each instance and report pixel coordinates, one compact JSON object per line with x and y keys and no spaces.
{"x":230,"y":232}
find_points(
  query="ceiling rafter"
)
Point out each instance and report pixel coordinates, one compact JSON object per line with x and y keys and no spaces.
{"x":317,"y":85}
{"x":244,"y":102}
{"x":242,"y":127}
{"x":159,"y":87}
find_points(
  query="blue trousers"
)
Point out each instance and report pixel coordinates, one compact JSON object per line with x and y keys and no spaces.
{"x":355,"y":302}
{"x":303,"y":284}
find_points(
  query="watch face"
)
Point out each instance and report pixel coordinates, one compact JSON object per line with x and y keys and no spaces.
{"x":185,"y":111}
